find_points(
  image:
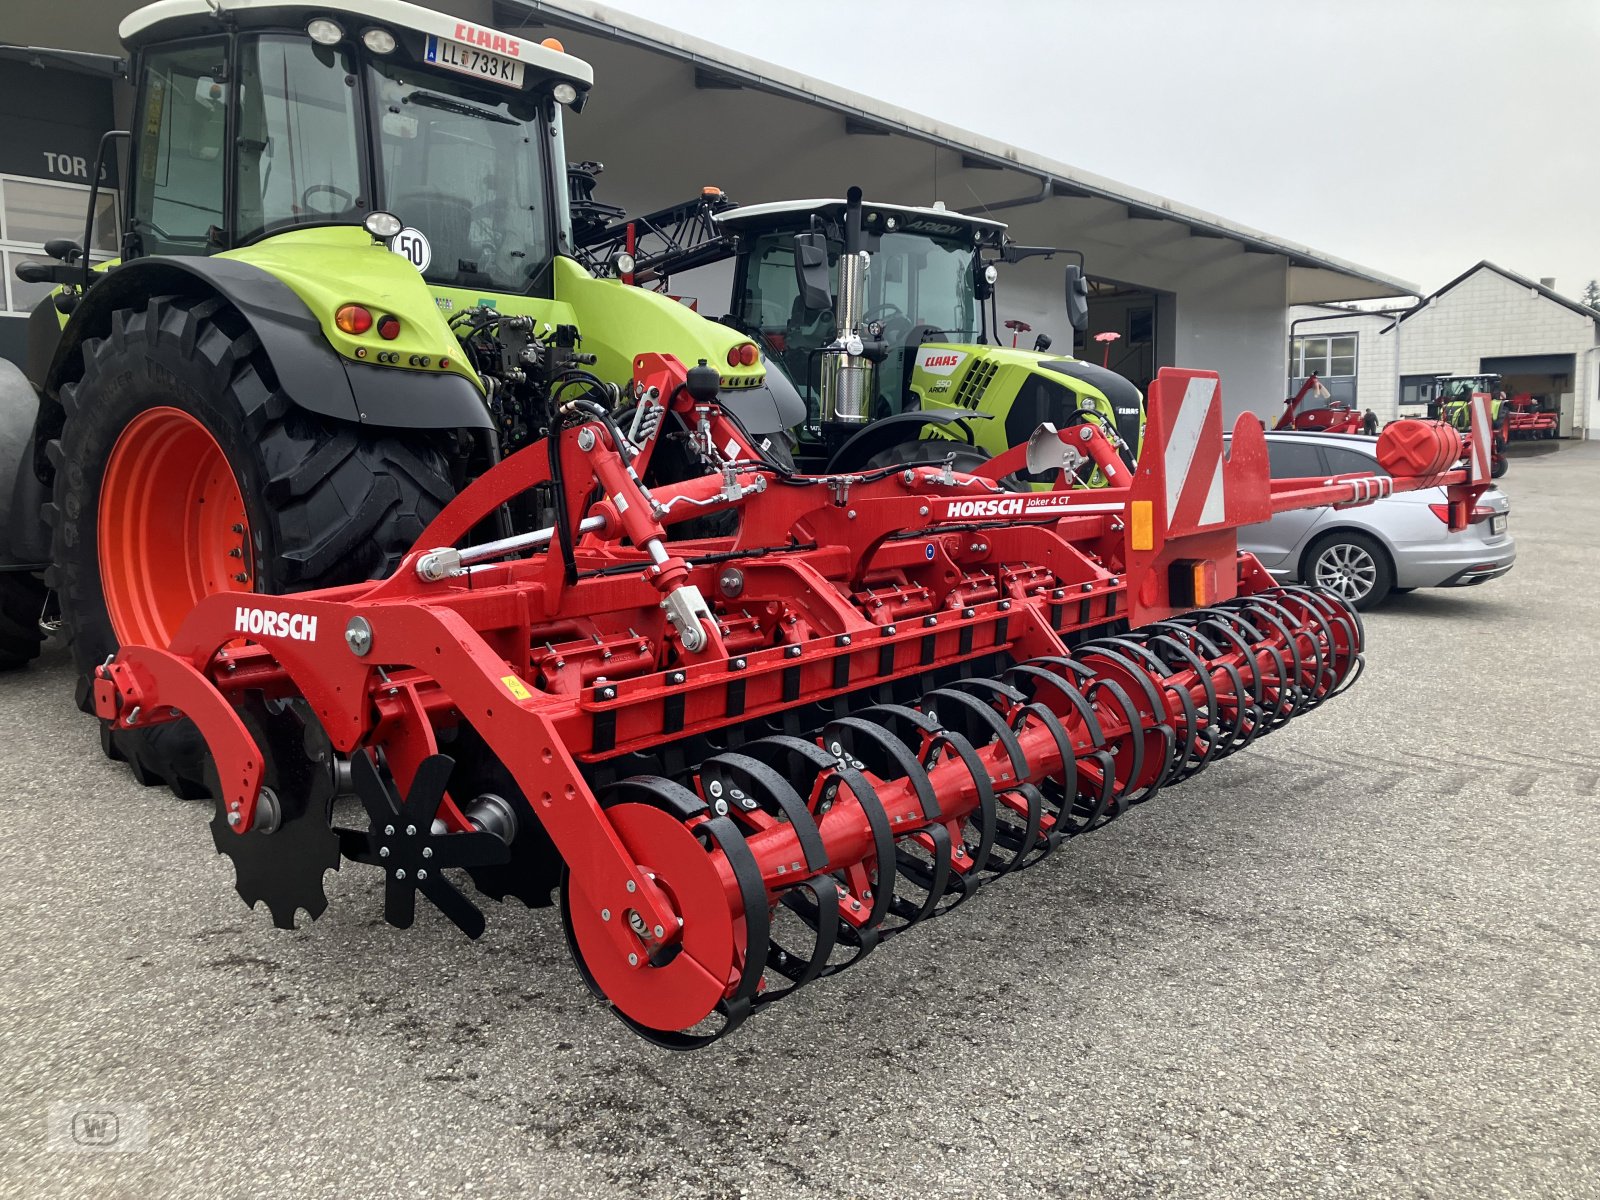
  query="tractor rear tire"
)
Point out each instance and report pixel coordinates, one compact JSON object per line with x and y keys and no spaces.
{"x":178,"y":409}
{"x":22,"y":596}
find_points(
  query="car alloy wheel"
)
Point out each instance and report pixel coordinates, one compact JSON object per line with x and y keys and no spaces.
{"x":1347,"y":569}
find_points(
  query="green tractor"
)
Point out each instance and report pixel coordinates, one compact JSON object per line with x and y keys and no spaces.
{"x":346,"y":286}
{"x":1450,"y":400}
{"x":884,"y":318}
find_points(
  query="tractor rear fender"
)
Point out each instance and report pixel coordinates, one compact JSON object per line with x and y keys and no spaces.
{"x":309,"y":370}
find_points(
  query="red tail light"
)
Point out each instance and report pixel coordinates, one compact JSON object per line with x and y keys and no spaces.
{"x":352,"y":318}
{"x":743,"y":355}
{"x":1480,"y":512}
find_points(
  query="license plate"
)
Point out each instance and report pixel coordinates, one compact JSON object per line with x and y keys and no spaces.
{"x":469,"y":60}
{"x":1497,"y":525}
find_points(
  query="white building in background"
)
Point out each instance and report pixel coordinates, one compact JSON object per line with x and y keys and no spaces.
{"x":1485,"y":319}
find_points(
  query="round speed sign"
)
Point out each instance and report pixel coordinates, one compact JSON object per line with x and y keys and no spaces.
{"x":411,"y":245}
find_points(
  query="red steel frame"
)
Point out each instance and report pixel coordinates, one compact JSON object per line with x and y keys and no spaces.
{"x":842,"y":584}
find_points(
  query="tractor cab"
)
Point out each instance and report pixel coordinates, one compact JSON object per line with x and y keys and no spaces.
{"x":287,"y":117}
{"x":924,"y":284}
{"x":884,"y":317}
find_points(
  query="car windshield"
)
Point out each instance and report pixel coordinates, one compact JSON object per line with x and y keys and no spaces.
{"x":461,"y":163}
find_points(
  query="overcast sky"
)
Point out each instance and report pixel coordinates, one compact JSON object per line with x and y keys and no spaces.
{"x":1411,"y":136}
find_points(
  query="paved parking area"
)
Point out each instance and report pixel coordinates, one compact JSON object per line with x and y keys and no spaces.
{"x":1358,"y":959}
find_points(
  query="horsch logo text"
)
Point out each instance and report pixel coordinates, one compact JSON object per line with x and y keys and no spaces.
{"x":296,"y":627}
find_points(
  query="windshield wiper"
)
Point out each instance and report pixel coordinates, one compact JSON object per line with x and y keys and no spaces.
{"x":460,"y":107}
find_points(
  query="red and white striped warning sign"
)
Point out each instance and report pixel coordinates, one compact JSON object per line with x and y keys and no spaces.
{"x":1482,"y":438}
{"x":1193,"y":462}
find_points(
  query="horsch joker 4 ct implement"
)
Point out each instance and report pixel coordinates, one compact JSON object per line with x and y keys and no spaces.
{"x":742,"y":762}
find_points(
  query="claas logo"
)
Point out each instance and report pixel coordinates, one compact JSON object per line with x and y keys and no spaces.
{"x":488,"y":39}
{"x":941,"y":360}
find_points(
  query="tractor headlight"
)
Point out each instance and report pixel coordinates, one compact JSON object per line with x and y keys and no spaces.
{"x":324,"y":32}
{"x":382,"y":225}
{"x":622,"y":263}
{"x":564,"y":93}
{"x":990,"y":274}
{"x":379,"y":41}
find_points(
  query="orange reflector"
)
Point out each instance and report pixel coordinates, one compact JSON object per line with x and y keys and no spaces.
{"x":1143,"y":531}
{"x":352,"y":318}
{"x":553,"y":44}
{"x":1192,"y":583}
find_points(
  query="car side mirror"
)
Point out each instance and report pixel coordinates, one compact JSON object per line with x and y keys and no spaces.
{"x":1077,"y":298}
{"x":811,"y":271}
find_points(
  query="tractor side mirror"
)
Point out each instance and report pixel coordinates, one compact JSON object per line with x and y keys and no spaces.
{"x":1077,"y":298}
{"x":63,"y":250}
{"x":811,"y":271}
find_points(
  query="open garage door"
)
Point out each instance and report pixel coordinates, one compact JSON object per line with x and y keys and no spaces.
{"x":1143,"y":321}
{"x":1548,"y":378}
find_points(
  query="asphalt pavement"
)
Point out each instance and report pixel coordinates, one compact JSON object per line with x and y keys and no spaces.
{"x":1357,"y":959}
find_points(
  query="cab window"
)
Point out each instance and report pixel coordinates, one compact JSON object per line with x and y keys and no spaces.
{"x":299,"y":163}
{"x":181,"y":130}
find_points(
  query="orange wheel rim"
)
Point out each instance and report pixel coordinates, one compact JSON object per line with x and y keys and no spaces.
{"x":172,"y":526}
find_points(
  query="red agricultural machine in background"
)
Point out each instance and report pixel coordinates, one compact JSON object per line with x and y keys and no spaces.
{"x":1527,"y":419}
{"x":1333,"y":417}
{"x":745,"y":761}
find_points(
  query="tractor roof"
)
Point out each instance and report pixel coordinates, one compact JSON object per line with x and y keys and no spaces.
{"x":177,"y":18}
{"x":912,"y":219}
